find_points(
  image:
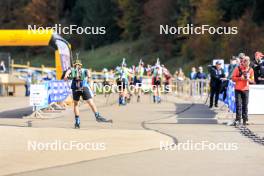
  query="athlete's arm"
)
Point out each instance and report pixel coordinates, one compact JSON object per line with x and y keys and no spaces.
{"x":67,"y":74}
{"x":89,"y":76}
{"x":89,"y":80}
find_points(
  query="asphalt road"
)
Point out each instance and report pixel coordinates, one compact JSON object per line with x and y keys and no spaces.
{"x":186,"y":122}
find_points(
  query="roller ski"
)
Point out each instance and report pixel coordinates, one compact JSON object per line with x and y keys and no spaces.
{"x":101,"y":119}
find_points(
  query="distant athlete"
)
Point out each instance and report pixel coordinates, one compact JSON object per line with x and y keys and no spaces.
{"x":81,"y":88}
{"x":139,"y":73}
{"x":122,"y":74}
{"x":156,"y":82}
{"x":167,"y":78}
{"x":106,"y":81}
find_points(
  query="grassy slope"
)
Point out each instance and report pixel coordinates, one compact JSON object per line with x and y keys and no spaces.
{"x":110,"y":56}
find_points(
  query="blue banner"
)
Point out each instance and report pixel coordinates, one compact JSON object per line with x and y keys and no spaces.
{"x":230,"y":100}
{"x":58,"y":91}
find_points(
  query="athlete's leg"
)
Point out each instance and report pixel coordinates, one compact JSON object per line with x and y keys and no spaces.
{"x":87,"y":96}
{"x":139,"y":89}
{"x":76,"y":108}
{"x":76,"y":98}
{"x":97,"y":115}
{"x":159,"y":94}
{"x":154,"y":93}
{"x":119,"y":89}
{"x":76,"y":113}
{"x":92,"y":105}
{"x":125,"y":96}
{"x":124,"y":92}
{"x":138,"y":93}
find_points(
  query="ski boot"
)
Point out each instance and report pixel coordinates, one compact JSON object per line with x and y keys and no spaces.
{"x":77,"y":122}
{"x":100,"y":118}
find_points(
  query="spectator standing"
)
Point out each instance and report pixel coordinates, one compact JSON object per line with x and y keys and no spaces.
{"x":193,"y":74}
{"x":243,"y":75}
{"x":258,"y":67}
{"x":217,"y":76}
{"x":28,"y":81}
{"x":233,"y":64}
{"x":201,"y":76}
{"x":2,"y":67}
{"x":180,"y":80}
{"x":175,"y":74}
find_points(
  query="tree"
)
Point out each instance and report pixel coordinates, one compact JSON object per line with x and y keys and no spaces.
{"x":234,"y":9}
{"x":10,"y":13}
{"x":249,"y":39}
{"x":97,"y":13}
{"x":43,"y":12}
{"x":156,"y":13}
{"x":204,"y":47}
{"x":131,"y":18}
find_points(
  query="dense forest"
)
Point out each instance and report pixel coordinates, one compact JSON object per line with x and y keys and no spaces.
{"x":139,"y":20}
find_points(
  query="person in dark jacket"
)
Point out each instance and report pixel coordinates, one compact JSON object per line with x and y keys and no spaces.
{"x":193,"y":73}
{"x":201,"y":76}
{"x":258,"y":67}
{"x":217,"y":76}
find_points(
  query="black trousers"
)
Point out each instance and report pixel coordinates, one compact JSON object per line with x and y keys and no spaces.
{"x":214,"y":95}
{"x":241,"y":105}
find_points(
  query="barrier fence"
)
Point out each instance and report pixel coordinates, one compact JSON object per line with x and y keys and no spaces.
{"x":201,"y":88}
{"x":58,"y":91}
{"x":191,"y":87}
{"x":48,"y":94}
{"x":230,"y":100}
{"x":52,"y":92}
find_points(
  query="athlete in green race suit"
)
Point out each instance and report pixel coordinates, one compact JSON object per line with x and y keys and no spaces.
{"x":81,"y":88}
{"x":122,"y":74}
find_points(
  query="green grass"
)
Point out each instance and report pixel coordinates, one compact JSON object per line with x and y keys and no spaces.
{"x":112,"y":55}
{"x":109,"y":57}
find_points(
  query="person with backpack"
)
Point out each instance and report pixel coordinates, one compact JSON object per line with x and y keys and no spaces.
{"x":243,"y":75}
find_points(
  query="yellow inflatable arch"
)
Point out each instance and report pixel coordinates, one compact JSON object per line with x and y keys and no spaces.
{"x":40,"y":38}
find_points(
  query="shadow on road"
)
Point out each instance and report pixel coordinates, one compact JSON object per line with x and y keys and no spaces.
{"x":188,"y":113}
{"x":196,"y":114}
{"x":16,"y":113}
